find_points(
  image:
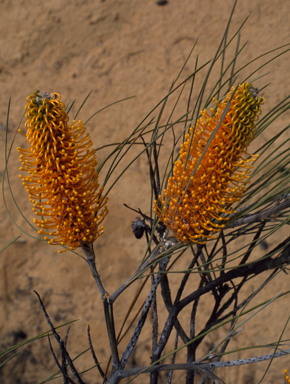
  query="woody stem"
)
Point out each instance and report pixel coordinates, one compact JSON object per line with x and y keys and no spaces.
{"x":108,"y":305}
{"x":88,"y":250}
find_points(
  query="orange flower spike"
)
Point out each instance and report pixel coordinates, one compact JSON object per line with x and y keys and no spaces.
{"x":62,"y":180}
{"x":194,"y":206}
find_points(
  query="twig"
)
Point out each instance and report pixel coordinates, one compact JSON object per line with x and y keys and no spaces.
{"x":66,"y":336}
{"x":165,"y":292}
{"x":225,"y":253}
{"x":170,"y":374}
{"x":88,"y":250}
{"x":264,"y":215}
{"x":63,"y":363}
{"x":153,"y":257}
{"x":215,"y":245}
{"x":191,"y":348}
{"x":186,"y":276}
{"x":259,"y":266}
{"x":153,"y":375}
{"x":141,"y":321}
{"x":95,"y":357}
{"x":60,"y":342}
{"x":108,"y":311}
{"x":154,"y":317}
{"x":262,"y":265}
{"x":53,"y":354}
{"x":253,"y":244}
{"x":63,"y":368}
{"x":208,"y":374}
{"x":197,"y":366}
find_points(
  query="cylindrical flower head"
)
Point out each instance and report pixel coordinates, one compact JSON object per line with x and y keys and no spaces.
{"x":62,"y":180}
{"x":195,"y":205}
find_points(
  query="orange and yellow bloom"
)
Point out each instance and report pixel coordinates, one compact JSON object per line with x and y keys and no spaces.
{"x":61,"y":176}
{"x":286,"y":376}
{"x":194,"y":205}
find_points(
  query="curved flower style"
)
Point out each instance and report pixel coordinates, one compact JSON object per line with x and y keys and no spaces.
{"x":194,"y":205}
{"x":62,"y":180}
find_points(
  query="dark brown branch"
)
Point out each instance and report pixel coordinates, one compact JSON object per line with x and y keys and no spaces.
{"x":154,"y":255}
{"x":186,"y":276}
{"x":228,"y":339}
{"x":141,"y":321}
{"x":191,"y":349}
{"x":257,"y":267}
{"x":63,"y":367}
{"x":60,"y":342}
{"x":262,"y":265}
{"x":88,"y":250}
{"x":63,"y":363}
{"x":95,"y":357}
{"x":215,"y":317}
{"x":253,"y":244}
{"x":66,"y":336}
{"x":109,"y":317}
{"x":170,"y":374}
{"x":264,"y":215}
{"x":165,"y":292}
{"x":154,"y":375}
{"x":221,"y":234}
{"x":225,"y":253}
{"x":198,"y":366}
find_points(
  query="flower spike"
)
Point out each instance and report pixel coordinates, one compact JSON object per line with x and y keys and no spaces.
{"x":195,"y":205}
{"x":62,"y":180}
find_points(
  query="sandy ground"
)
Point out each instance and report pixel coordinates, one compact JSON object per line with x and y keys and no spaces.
{"x":116,"y":49}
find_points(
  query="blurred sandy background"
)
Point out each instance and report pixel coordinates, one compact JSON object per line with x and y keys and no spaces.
{"x":115,"y":49}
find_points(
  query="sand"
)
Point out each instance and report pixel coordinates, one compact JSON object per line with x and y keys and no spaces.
{"x":115,"y":50}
